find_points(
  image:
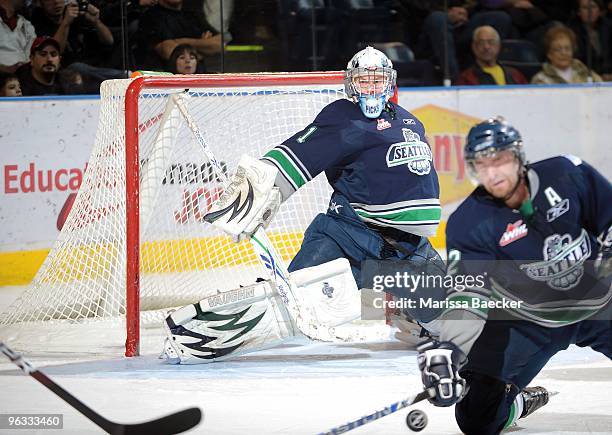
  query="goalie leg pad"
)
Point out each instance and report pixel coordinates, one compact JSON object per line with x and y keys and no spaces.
{"x":329,"y":292}
{"x":228,"y":324}
{"x":250,"y":200}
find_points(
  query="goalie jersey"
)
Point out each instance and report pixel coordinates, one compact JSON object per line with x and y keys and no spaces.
{"x":383,"y":166}
{"x":539,"y":265}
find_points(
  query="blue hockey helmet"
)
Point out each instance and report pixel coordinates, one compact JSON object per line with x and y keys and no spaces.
{"x":369,"y":80}
{"x":491,"y":136}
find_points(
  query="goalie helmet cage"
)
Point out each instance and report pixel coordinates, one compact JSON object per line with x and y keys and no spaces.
{"x":134,"y":244}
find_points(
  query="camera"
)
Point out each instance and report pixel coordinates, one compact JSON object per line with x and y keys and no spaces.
{"x":83,"y":5}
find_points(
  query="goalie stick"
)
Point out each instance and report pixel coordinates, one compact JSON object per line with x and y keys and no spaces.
{"x":169,"y":424}
{"x":425,"y":394}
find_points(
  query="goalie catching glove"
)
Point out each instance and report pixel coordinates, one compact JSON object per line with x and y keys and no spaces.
{"x":249,"y":202}
{"x":439,"y":364}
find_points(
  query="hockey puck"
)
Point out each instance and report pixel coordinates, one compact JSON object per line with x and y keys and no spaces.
{"x":416,"y":420}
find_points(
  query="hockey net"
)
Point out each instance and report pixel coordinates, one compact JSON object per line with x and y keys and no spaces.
{"x":135,"y":244}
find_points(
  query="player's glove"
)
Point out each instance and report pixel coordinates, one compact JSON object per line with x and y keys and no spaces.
{"x":250,"y":201}
{"x":439,"y":364}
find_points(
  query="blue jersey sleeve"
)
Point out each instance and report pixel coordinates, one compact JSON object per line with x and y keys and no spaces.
{"x":324,"y":143}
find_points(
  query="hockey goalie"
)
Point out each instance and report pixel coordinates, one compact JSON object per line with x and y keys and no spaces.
{"x":385,"y":203}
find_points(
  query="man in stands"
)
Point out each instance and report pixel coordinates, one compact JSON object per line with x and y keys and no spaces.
{"x":40,"y":77}
{"x":486,"y":44}
{"x":85,"y":41}
{"x":460,"y":20}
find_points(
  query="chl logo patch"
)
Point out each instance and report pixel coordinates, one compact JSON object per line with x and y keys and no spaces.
{"x":562,"y":267}
{"x":513,"y":232}
{"x":382,"y":124}
{"x":413,"y":152}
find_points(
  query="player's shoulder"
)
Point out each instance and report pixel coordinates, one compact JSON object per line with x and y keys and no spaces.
{"x":566,"y":162}
{"x":407,"y":117}
{"x":338,"y":111}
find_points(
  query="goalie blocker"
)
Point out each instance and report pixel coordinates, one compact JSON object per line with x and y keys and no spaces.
{"x":254,"y":317}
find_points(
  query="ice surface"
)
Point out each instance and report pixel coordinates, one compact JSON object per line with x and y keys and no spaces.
{"x":298,"y":388}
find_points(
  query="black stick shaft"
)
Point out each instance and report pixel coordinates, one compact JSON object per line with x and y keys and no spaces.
{"x":170,"y":424}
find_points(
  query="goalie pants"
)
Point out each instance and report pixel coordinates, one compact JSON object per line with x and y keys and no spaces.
{"x":507,"y":356}
{"x":340,"y":233}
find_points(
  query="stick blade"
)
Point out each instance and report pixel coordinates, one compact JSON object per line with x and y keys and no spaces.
{"x":170,"y":424}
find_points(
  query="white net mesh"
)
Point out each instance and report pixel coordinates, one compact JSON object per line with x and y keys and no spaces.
{"x":182,"y":259}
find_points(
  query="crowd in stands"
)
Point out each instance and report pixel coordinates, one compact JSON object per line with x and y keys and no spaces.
{"x":57,"y":47}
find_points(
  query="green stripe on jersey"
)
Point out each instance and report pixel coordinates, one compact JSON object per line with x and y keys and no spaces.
{"x":413,"y":214}
{"x":291,"y":170}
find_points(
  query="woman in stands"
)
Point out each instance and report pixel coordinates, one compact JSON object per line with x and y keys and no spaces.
{"x":562,"y":67}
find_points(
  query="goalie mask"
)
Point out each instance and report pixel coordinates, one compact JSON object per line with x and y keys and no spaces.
{"x":490,"y":137}
{"x":369,"y":80}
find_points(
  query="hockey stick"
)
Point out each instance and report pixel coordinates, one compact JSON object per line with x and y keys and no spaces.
{"x":170,"y":424}
{"x":425,"y":394}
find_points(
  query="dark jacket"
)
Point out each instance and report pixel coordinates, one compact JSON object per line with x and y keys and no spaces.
{"x":474,"y":75}
{"x":602,"y":61}
{"x":32,"y":87}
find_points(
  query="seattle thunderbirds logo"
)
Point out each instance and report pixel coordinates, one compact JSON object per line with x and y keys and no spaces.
{"x":413,"y":152}
{"x":562,"y":267}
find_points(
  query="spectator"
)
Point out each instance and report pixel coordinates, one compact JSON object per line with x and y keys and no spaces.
{"x":16,"y":37}
{"x":560,"y":44}
{"x":84,"y":39}
{"x":593,"y":32}
{"x":110,"y":12}
{"x":183,"y":60}
{"x":166,"y":25}
{"x":72,"y":82}
{"x":486,"y":70}
{"x":40,"y":77}
{"x":460,"y":26}
{"x":9,"y":86}
{"x":525,"y":16}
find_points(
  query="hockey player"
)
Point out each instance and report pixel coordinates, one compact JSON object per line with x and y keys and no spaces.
{"x":385,"y":200}
{"x":541,"y":235}
{"x":375,"y":156}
